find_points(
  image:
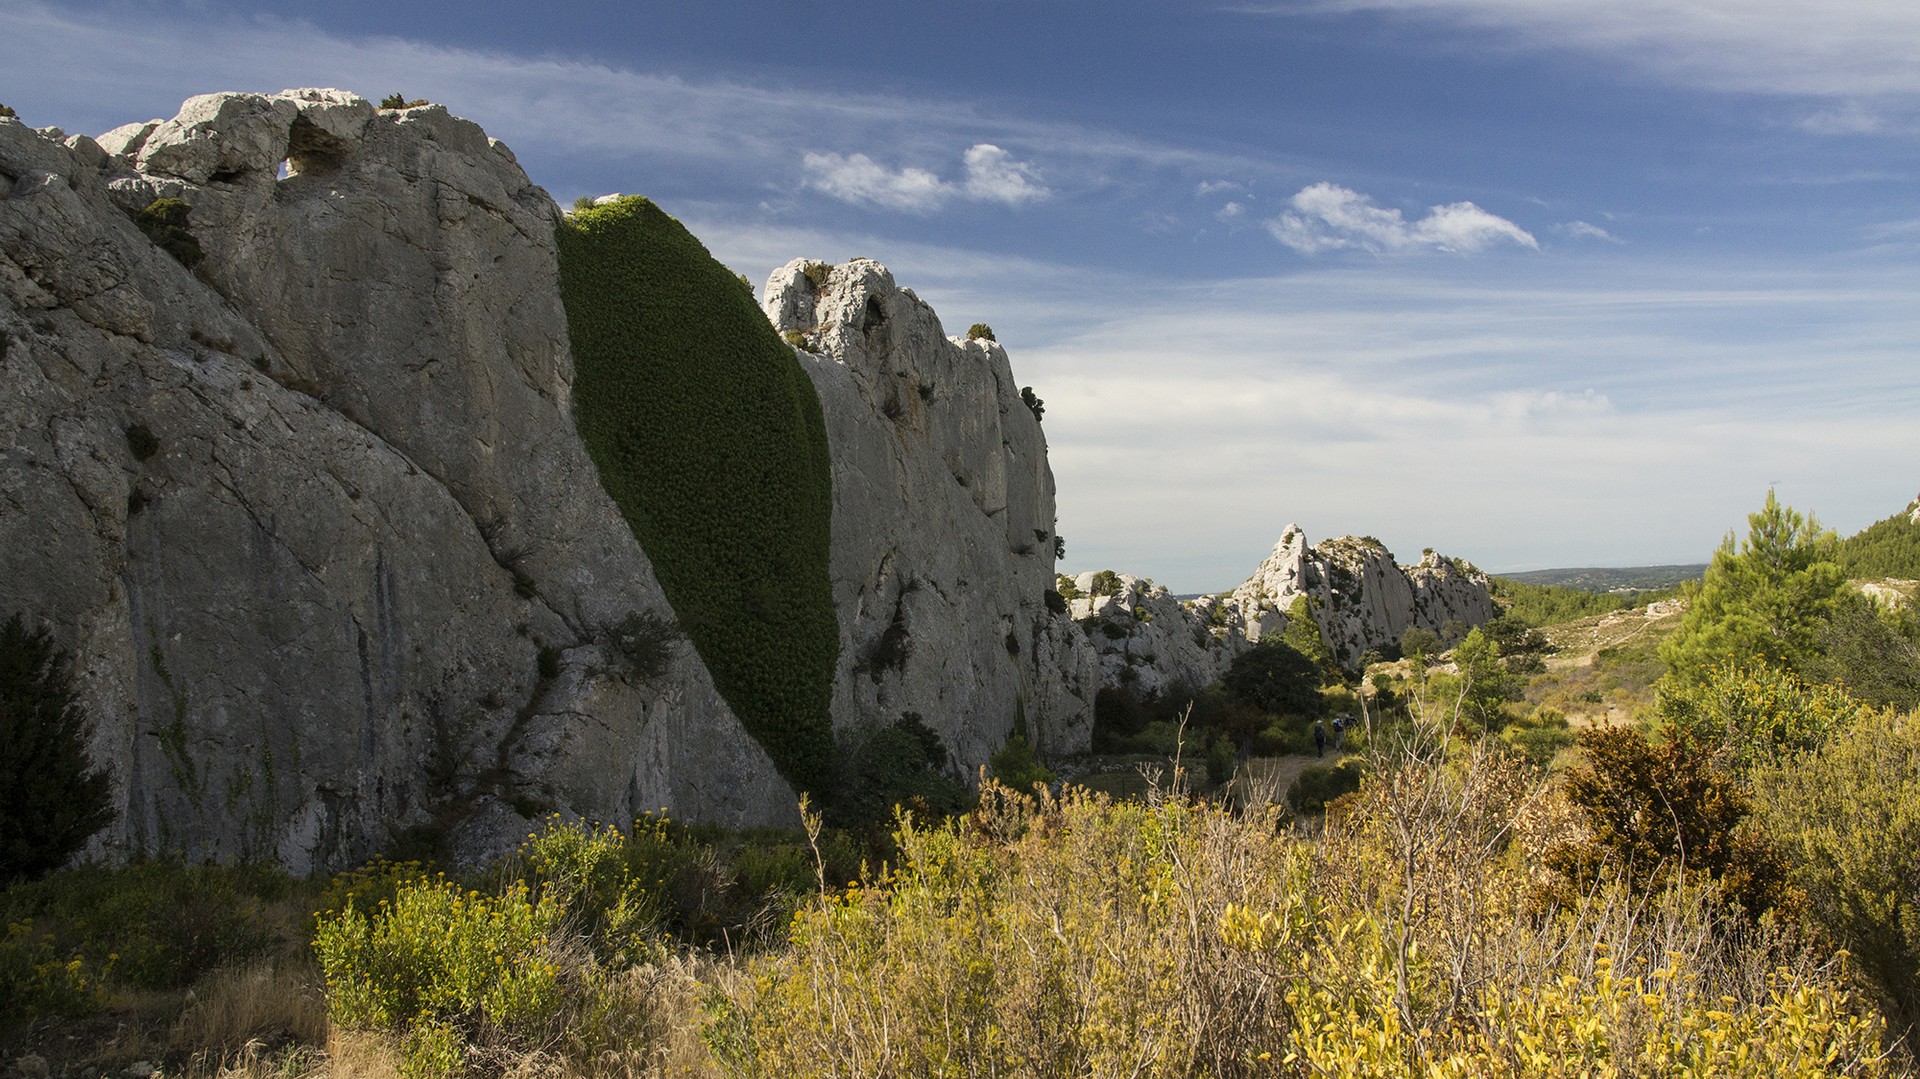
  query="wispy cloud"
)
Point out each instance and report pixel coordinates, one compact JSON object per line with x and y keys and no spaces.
{"x":1582,"y":230}
{"x":1408,"y":403}
{"x":1213,"y":187}
{"x":616,"y":119}
{"x":1328,"y":217}
{"x":1836,"y":48}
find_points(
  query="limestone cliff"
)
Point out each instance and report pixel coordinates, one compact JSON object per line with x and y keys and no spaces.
{"x":314,"y":518}
{"x":1359,"y":597}
{"x":942,"y":519}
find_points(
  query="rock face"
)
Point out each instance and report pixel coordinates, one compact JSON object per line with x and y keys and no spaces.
{"x":943,"y":523}
{"x":1360,"y":598}
{"x":313,"y":518}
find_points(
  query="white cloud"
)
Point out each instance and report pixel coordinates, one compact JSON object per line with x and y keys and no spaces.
{"x":1328,"y":217}
{"x":1214,"y":187}
{"x":1230,"y":211}
{"x":992,"y":175}
{"x":858,"y":178}
{"x":1581,"y":230}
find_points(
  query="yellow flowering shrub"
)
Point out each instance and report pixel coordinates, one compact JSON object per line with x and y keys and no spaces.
{"x":437,"y":962}
{"x":1076,"y":936}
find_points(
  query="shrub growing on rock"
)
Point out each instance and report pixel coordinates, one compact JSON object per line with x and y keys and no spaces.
{"x":165,"y":223}
{"x":980,"y":331}
{"x":1033,"y":403}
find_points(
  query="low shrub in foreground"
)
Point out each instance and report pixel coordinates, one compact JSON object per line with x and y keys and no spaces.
{"x":1076,"y":936}
{"x":443,"y":967}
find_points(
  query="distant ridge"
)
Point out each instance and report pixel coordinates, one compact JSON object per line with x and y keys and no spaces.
{"x":1611,"y":579}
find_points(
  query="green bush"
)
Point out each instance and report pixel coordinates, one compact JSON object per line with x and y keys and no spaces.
{"x":1419,"y":644}
{"x":7,"y":113}
{"x":152,"y":925}
{"x":708,"y":435}
{"x":52,"y":799}
{"x":1274,"y":677}
{"x":901,"y":764}
{"x":1753,"y":712}
{"x":1322,"y":783}
{"x":1848,"y":818}
{"x":1539,"y":736}
{"x":438,"y":965}
{"x":399,"y":101}
{"x":1033,"y":403}
{"x":165,"y":223}
{"x":1017,"y":766}
{"x":643,"y":642}
{"x":1871,"y":650}
{"x":980,"y":331}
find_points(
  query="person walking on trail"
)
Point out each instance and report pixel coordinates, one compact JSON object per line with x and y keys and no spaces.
{"x":1319,"y":737}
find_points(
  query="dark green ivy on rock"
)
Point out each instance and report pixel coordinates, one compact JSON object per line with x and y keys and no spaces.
{"x":708,"y":435}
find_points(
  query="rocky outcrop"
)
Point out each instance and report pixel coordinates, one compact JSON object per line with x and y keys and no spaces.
{"x":300,"y":488}
{"x":1149,"y":641}
{"x":943,"y":521}
{"x":311,"y":515}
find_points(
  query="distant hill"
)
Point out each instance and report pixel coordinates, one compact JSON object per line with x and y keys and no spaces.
{"x":1615,"y":579}
{"x":1889,"y":548}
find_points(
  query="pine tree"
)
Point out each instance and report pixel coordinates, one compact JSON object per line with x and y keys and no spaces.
{"x":1766,"y":601}
{"x":51,"y":798}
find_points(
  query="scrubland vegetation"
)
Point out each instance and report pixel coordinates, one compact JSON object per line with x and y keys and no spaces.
{"x":1720,"y":875}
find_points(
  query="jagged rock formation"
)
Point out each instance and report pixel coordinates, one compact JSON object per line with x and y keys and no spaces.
{"x":1359,"y":597}
{"x":942,"y":519}
{"x":315,"y":521}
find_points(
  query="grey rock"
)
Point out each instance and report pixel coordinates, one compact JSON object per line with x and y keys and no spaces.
{"x":127,"y":139}
{"x":223,"y":135}
{"x":1150,"y":642}
{"x":313,"y":617}
{"x":943,"y":521}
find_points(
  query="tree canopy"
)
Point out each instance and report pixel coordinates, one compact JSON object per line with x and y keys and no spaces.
{"x":51,"y":798}
{"x":1766,"y":599}
{"x":1274,"y":677}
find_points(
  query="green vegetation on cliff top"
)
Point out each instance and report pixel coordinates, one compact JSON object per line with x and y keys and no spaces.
{"x":709,"y":437}
{"x":1889,"y":548}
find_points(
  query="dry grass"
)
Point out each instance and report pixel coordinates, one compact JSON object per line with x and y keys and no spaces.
{"x":263,"y":1005}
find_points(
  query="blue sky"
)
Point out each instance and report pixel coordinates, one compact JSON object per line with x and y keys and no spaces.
{"x":1531,"y":282}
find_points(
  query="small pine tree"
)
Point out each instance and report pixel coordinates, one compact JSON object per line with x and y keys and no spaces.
{"x":51,"y":798}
